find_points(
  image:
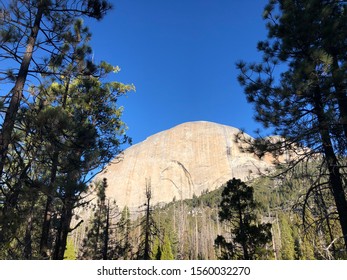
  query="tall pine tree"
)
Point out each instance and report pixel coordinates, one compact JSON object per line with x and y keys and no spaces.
{"x":33,"y":36}
{"x":248,"y":237}
{"x":306,"y":100}
{"x":69,"y":126}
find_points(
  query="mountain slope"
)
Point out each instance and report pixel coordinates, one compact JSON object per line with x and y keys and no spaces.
{"x":178,"y":163}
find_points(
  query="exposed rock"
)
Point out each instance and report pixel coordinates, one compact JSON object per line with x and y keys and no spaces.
{"x":179,"y":162}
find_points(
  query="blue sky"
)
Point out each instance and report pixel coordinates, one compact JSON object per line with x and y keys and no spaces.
{"x":180,"y":55}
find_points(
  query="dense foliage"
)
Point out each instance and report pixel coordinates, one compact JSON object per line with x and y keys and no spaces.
{"x":61,"y":121}
{"x":299,"y":90}
{"x":248,"y":238}
{"x":188,"y":229}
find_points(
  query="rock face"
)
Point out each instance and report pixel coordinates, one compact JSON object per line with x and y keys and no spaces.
{"x":178,"y":163}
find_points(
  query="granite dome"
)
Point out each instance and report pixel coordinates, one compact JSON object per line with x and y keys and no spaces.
{"x":180,"y":162}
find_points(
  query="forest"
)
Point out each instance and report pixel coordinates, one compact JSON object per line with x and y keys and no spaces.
{"x":292,"y":226}
{"x":61,"y":123}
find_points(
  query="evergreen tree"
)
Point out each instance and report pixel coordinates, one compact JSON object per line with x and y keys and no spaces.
{"x":248,"y":237}
{"x":28,"y":30}
{"x":124,"y":245}
{"x":149,"y":229}
{"x":166,"y":253}
{"x":95,"y":131}
{"x":68,"y":126}
{"x":162,"y":248}
{"x":306,"y":102}
{"x":97,"y":242}
{"x":287,"y":240}
{"x":74,"y":127}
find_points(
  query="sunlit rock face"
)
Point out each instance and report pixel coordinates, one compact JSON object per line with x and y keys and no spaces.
{"x":185,"y":160}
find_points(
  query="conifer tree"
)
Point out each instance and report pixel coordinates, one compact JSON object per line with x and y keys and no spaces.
{"x":166,"y":251}
{"x":287,"y":249}
{"x":124,"y":244}
{"x":97,"y":243}
{"x":68,"y":125}
{"x":149,"y":229}
{"x":248,"y":237}
{"x":72,"y":127}
{"x":29,"y":29}
{"x":305,"y":102}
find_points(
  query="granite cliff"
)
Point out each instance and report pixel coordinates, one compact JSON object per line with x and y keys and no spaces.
{"x":185,"y":160}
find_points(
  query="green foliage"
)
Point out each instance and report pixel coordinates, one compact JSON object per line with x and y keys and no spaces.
{"x":69,"y":125}
{"x":189,"y":228}
{"x":70,"y":253}
{"x":124,"y":245}
{"x":298,"y":90}
{"x":97,"y":244}
{"x":248,"y":237}
{"x":166,"y":253}
{"x":163,"y":249}
{"x":149,"y":230}
{"x":287,"y":239}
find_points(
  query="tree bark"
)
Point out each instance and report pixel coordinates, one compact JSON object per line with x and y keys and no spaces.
{"x":340,"y":95}
{"x":28,"y":235}
{"x":335,"y":178}
{"x":17,"y":90}
{"x":106,"y":233}
{"x":147,"y":229}
{"x":243,"y":236}
{"x":44,"y":242}
{"x":63,"y":230}
{"x":44,"y":246}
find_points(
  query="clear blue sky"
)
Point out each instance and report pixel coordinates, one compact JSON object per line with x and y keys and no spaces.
{"x":180,"y":55}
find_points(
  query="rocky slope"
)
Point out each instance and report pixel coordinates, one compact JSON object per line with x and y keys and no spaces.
{"x":178,"y":163}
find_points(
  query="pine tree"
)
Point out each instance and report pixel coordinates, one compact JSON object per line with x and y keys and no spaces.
{"x":28,"y":30}
{"x":248,"y":237}
{"x":95,"y":130}
{"x":68,"y":126}
{"x":166,"y":251}
{"x":305,"y":103}
{"x":149,"y":228}
{"x":287,"y":240}
{"x":97,"y":243}
{"x":124,"y":244}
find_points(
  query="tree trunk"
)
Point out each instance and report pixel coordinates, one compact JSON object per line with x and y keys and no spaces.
{"x":17,"y":90}
{"x":44,"y":242}
{"x":44,"y":246}
{"x":28,"y":234}
{"x":340,"y":95}
{"x":147,"y":232}
{"x":243,"y":237}
{"x":335,"y":178}
{"x":63,"y":230}
{"x":325,"y":214}
{"x":106,"y":233}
